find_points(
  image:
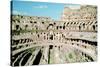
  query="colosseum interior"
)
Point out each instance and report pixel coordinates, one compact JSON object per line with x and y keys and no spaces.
{"x":37,"y":40}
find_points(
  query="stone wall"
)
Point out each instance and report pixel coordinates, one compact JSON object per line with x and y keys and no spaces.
{"x":34,"y":36}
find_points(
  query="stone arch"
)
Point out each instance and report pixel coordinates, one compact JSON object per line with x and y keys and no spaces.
{"x":35,"y":22}
{"x":79,"y":27}
{"x":74,"y":22}
{"x":93,"y":27}
{"x":51,"y":37}
{"x":71,"y":23}
{"x":38,"y":35}
{"x":57,"y":27}
{"x":64,"y":27}
{"x":31,"y":21}
{"x":60,"y":27}
{"x":67,"y":23}
{"x":64,"y":23}
{"x":54,"y":23}
{"x":26,"y":26}
{"x":42,"y":22}
{"x":17,"y":27}
{"x":50,"y":26}
{"x":83,"y":24}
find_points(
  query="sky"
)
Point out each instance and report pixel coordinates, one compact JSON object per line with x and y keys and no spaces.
{"x":31,"y":8}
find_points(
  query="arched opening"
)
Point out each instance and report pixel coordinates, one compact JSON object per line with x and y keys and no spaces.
{"x":83,"y":25}
{"x":50,"y":46}
{"x":67,"y":23}
{"x":51,"y":37}
{"x":64,"y":27}
{"x":79,"y":27}
{"x":93,"y":27}
{"x":74,"y":22}
{"x":71,"y":22}
{"x":26,"y":27}
{"x":38,"y":35}
{"x":50,"y":26}
{"x":60,"y":27}
{"x":42,"y":22}
{"x":17,"y":27}
{"x":54,"y":23}
{"x":57,"y":27}
{"x":35,"y":22}
{"x":31,"y":22}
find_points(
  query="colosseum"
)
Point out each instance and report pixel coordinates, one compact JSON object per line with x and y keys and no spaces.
{"x":37,"y":40}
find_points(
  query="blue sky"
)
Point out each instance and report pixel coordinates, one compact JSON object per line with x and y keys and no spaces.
{"x":30,"y":8}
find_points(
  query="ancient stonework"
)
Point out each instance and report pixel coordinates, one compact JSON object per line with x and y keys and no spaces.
{"x":42,"y":40}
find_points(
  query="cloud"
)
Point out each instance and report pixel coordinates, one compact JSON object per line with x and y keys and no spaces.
{"x":19,"y":12}
{"x":41,"y":6}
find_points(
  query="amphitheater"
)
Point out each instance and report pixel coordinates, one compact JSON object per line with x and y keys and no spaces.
{"x":37,"y":40}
